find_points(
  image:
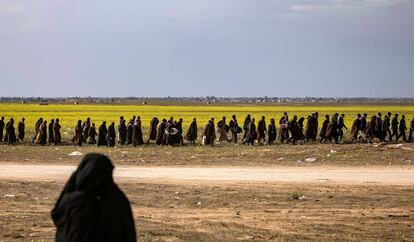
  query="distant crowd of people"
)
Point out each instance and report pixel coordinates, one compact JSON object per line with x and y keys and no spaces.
{"x":170,"y":132}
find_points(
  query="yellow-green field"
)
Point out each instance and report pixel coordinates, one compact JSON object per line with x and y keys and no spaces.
{"x":69,"y":114}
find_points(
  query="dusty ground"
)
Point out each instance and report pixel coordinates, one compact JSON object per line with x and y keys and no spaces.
{"x":223,"y":155}
{"x":245,"y":193}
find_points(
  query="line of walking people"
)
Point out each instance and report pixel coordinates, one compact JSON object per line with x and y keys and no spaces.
{"x":170,"y":132}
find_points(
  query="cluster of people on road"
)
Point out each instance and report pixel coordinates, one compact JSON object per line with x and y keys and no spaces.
{"x":170,"y":132}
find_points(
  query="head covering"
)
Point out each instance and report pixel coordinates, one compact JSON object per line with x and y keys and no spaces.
{"x":91,"y":207}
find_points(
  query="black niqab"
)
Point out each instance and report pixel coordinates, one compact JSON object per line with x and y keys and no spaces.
{"x":91,"y":207}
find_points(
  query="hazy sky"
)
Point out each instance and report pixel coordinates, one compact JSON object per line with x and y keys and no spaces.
{"x":207,"y":47}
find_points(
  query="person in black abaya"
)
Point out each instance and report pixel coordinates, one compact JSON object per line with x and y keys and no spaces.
{"x":91,"y":206}
{"x":111,"y":135}
{"x":103,"y":131}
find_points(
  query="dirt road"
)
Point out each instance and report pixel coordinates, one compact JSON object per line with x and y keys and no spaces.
{"x":350,"y":175}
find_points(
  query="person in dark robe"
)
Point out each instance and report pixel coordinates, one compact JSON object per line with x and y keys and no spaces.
{"x":234,"y":128}
{"x":152,"y":133}
{"x":85,"y":127}
{"x":137,"y":133}
{"x":122,"y":129}
{"x":315,"y":125}
{"x":120,"y":121}
{"x":371,"y":129}
{"x":179,"y":127}
{"x":295,"y":130}
{"x":356,"y":127}
{"x":11,"y":133}
{"x":322,"y":134}
{"x":379,"y":133}
{"x":309,"y":127}
{"x":341,"y":125}
{"x":91,"y":207}
{"x":209,"y":133}
{"x":394,"y":126}
{"x":332,"y":130}
{"x":92,"y":134}
{"x":261,"y":130}
{"x":2,"y":125}
{"x":283,"y":128}
{"x":191,"y":134}
{"x":402,"y":128}
{"x":51,"y":133}
{"x":300,"y":124}
{"x":245,"y":124}
{"x":37,"y":128}
{"x":21,"y":130}
{"x":251,"y":133}
{"x":386,"y":125}
{"x":102,"y":132}
{"x":42,"y":134}
{"x":271,"y":132}
{"x":56,"y":132}
{"x":130,"y":131}
{"x":161,"y":132}
{"x":111,"y":135}
{"x":78,"y":139}
{"x":222,"y":131}
{"x":410,"y":137}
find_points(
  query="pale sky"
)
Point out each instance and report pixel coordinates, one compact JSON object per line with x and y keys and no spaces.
{"x":327,"y":48}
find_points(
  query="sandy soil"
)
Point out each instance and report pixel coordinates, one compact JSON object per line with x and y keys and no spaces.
{"x":348,"y":175}
{"x":349,"y":193}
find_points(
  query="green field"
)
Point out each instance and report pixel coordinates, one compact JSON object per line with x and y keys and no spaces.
{"x":69,"y":114}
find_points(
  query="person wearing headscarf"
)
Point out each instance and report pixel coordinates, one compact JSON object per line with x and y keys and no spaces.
{"x":371,"y":128}
{"x":379,"y":132}
{"x":130,"y":130}
{"x":221,"y":129}
{"x":386,"y":124}
{"x":356,"y":127}
{"x":161,"y":132}
{"x":56,"y":132}
{"x":91,"y":207}
{"x":92,"y":134}
{"x":78,"y":139}
{"x":315,"y":125}
{"x":209,"y":133}
{"x":137,"y":133}
{"x":410,"y":137}
{"x":179,"y":126}
{"x":85,"y":127}
{"x":322,"y":134}
{"x":152,"y":133}
{"x":37,"y":128}
{"x":271,"y":132}
{"x":51,"y":134}
{"x":300,"y":130}
{"x":261,"y":130}
{"x":42,"y":134}
{"x":247,"y":120}
{"x":111,"y":135}
{"x":283,"y":128}
{"x":10,"y":132}
{"x":341,"y":125}
{"x":2,"y":125}
{"x":122,"y":129}
{"x":120,"y":132}
{"x":402,"y":128}
{"x":394,"y":126}
{"x":309,"y":127}
{"x":191,"y":134}
{"x":102,"y":132}
{"x":21,"y":130}
{"x":234,"y":128}
{"x":332,"y":130}
{"x":251,"y":133}
{"x":295,"y":130}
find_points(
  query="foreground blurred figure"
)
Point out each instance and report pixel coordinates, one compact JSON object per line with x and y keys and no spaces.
{"x":91,"y":207}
